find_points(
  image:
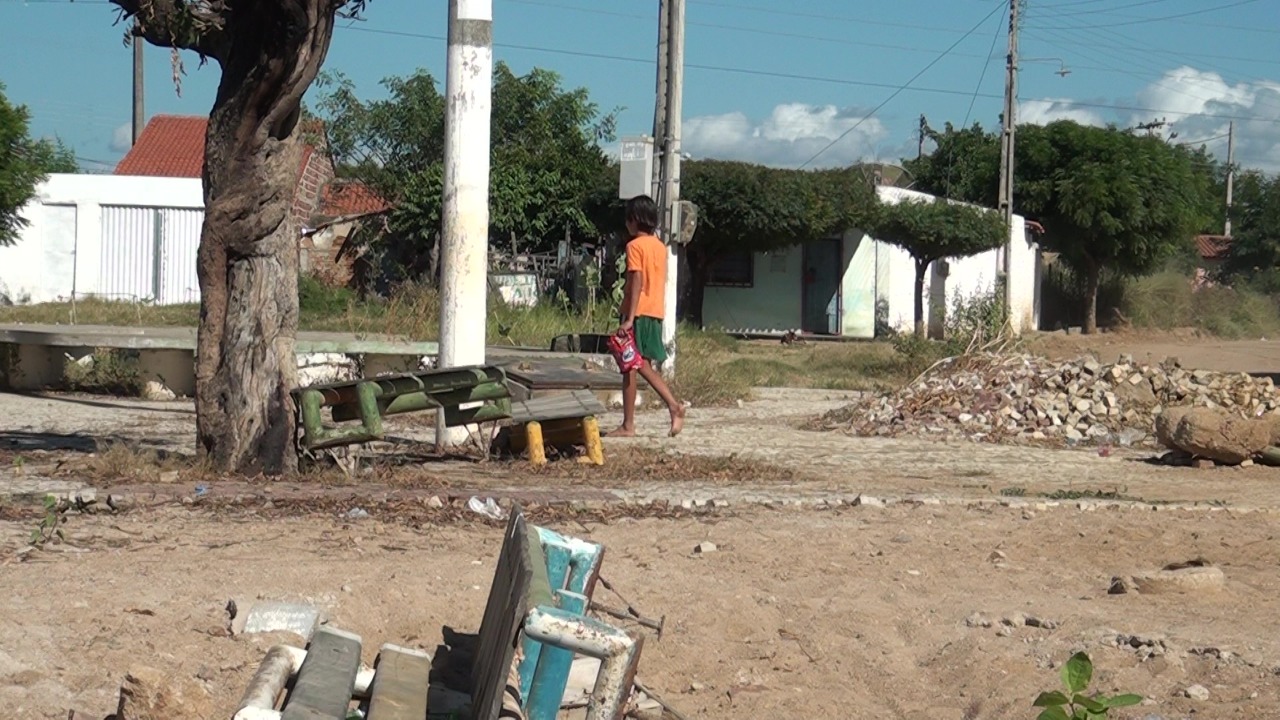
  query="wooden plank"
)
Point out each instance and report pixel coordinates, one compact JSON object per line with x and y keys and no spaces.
{"x":400,"y":685}
{"x":503,"y":616}
{"x":326,"y":679}
{"x":551,"y":374}
{"x":577,"y":404}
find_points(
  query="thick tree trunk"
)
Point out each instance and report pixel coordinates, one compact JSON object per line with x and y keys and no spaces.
{"x":248,"y":259}
{"x":1094,"y":279}
{"x":921,"y":329}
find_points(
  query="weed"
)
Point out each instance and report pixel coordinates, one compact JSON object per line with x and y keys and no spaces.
{"x":1073,"y":704}
{"x":1013,"y":492}
{"x":112,"y":372}
{"x":50,"y":527}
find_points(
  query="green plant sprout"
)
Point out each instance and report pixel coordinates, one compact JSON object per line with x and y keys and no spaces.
{"x":48,"y":529}
{"x":1073,"y":705}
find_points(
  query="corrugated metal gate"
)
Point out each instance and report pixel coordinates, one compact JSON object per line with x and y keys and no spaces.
{"x":149,"y":254}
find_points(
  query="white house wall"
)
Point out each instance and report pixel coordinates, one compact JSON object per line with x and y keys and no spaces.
{"x":966,"y":277}
{"x":858,"y":286}
{"x":62,"y":251}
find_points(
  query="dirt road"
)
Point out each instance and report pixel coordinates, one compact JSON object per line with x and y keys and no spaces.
{"x":802,"y":612}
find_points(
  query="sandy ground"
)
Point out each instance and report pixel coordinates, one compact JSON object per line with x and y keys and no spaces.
{"x":800,"y":613}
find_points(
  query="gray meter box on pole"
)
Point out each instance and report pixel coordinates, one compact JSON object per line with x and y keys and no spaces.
{"x":636,"y":167}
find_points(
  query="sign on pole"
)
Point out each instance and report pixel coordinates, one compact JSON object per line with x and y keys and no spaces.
{"x":636,"y":167}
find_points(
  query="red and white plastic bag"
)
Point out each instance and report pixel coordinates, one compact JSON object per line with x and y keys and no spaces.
{"x":625,"y":352}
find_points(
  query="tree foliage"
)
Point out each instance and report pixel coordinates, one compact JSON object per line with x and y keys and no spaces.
{"x":24,"y":164}
{"x":965,"y":165}
{"x":546,"y":156}
{"x":930,"y":230}
{"x":1255,"y":243}
{"x":752,"y":208}
{"x":1109,"y":199}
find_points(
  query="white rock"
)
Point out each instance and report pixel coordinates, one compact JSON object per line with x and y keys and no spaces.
{"x":1197,"y":692}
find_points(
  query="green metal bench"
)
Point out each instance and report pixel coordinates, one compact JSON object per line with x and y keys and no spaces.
{"x":482,"y":390}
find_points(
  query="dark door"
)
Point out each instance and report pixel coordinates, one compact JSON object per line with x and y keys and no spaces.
{"x":821,"y":300}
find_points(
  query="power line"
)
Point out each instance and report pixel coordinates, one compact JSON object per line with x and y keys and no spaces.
{"x":738,"y":28}
{"x":810,"y":78}
{"x":983,"y":75}
{"x":772,"y":74}
{"x":1158,"y":82}
{"x":1108,"y":11}
{"x":1145,"y":20}
{"x":898,"y":91}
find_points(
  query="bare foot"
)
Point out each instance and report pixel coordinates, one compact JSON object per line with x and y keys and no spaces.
{"x":622,"y":432}
{"x":677,"y":422}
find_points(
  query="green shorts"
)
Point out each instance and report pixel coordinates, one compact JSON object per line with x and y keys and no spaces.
{"x":649,"y":340}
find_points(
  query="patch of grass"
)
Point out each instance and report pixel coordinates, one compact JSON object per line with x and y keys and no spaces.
{"x":1167,"y":301}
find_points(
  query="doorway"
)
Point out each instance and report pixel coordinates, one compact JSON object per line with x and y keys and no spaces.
{"x":821,"y":291}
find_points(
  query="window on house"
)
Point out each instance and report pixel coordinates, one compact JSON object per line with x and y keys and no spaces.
{"x":732,"y":270}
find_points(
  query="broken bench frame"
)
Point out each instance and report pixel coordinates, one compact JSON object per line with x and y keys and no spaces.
{"x":561,"y":419}
{"x":538,"y":600}
{"x":482,"y":389}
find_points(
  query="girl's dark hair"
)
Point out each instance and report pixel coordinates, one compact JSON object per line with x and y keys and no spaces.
{"x":643,"y":212}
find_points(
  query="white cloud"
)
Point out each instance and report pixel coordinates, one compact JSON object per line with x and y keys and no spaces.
{"x":122,"y":138}
{"x":790,"y":135}
{"x":1198,"y":104}
{"x":1047,"y":110}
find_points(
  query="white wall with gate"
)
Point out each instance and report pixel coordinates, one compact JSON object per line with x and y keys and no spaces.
{"x":115,"y":237}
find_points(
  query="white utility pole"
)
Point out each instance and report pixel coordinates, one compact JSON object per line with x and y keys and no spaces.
{"x":671,"y":170}
{"x":1009,"y":125}
{"x":464,"y":243}
{"x":1231,"y":172}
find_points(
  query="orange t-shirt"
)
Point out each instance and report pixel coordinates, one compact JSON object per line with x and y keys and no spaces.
{"x":648,"y":256}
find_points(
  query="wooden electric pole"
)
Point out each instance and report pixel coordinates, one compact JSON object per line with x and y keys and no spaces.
{"x":924,"y":128}
{"x":1231,"y":172}
{"x":139,"y":115}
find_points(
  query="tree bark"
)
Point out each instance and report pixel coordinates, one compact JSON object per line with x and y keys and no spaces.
{"x":247,"y":263}
{"x":1093,"y":280}
{"x":922,"y":266}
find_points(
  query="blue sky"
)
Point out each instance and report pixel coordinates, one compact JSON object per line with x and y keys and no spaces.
{"x":764,"y":82}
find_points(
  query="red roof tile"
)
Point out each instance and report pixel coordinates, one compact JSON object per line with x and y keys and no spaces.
{"x":350,"y":198}
{"x":173,"y":146}
{"x":1213,"y":247}
{"x":170,"y":146}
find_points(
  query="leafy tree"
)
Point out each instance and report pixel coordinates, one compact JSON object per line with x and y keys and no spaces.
{"x":964,"y":166}
{"x":1255,"y":243}
{"x":752,"y":208}
{"x":247,"y":264}
{"x":931,"y":230}
{"x":24,"y":164}
{"x":546,"y":157}
{"x":1109,"y":199}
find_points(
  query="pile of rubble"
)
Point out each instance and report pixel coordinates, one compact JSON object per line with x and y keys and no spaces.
{"x":996,"y":398}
